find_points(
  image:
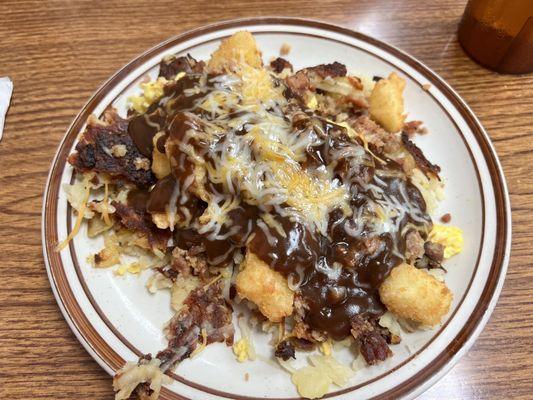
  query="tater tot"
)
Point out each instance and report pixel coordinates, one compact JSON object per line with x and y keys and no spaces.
{"x":264,"y":287}
{"x":414,"y":294}
{"x":240,"y":48}
{"x":386,"y":103}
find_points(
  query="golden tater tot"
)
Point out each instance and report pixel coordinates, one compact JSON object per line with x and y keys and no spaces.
{"x":236,"y":50}
{"x":386,"y":103}
{"x":264,"y":287}
{"x":414,"y":294}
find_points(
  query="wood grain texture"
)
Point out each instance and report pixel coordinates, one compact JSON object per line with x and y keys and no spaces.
{"x":59,"y":52}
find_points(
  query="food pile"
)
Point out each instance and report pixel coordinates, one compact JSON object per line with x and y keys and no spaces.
{"x":297,"y":194}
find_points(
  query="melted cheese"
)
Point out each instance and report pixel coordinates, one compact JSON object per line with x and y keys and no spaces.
{"x":254,"y":152}
{"x":311,"y":196}
{"x":251,"y":149}
{"x":257,"y":86}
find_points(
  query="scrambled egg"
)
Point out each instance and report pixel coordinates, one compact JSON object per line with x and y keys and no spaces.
{"x":133,"y":268}
{"x":151,"y":92}
{"x":242,"y":349}
{"x":451,"y":237}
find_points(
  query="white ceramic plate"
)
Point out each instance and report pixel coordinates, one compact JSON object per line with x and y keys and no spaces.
{"x":116,"y":319}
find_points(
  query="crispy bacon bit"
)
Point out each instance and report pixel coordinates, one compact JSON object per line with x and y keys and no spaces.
{"x":389,"y":337}
{"x":187,"y":262}
{"x":414,"y":245}
{"x":140,"y":221}
{"x":378,"y":137}
{"x":414,"y":127}
{"x":373,"y":345}
{"x":141,"y":392}
{"x":301,"y":330}
{"x":285,"y":350}
{"x":279,"y":64}
{"x":360,"y":326}
{"x":355,"y":82}
{"x":285,"y":49}
{"x":169,"y":273}
{"x":421,"y":161}
{"x":172,"y":65}
{"x":302,"y":344}
{"x":204,"y":309}
{"x":435,"y":251}
{"x":374,"y":348}
{"x":332,"y":70}
{"x":94,"y":151}
{"x":432,"y":257}
{"x":302,"y":80}
{"x":131,"y":218}
{"x":446,"y":218}
{"x":298,"y":83}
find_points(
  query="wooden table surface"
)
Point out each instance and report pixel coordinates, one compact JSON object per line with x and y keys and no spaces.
{"x":58,"y":52}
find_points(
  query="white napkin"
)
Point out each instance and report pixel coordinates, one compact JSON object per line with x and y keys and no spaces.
{"x":6,"y":88}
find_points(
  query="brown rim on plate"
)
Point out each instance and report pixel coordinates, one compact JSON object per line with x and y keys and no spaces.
{"x":95,"y":342}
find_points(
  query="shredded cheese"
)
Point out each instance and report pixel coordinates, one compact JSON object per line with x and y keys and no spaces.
{"x":262,"y":165}
{"x":217,"y":278}
{"x":202,"y":346}
{"x":105,"y":201}
{"x":79,"y":218}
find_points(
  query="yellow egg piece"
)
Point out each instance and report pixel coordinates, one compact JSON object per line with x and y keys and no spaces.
{"x":240,"y":348}
{"x":451,"y":237}
{"x":151,"y":92}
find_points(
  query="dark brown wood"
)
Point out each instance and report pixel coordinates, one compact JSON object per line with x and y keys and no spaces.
{"x":58,"y":53}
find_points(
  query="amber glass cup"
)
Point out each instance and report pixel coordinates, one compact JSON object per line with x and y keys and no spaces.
{"x":498,"y":34}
